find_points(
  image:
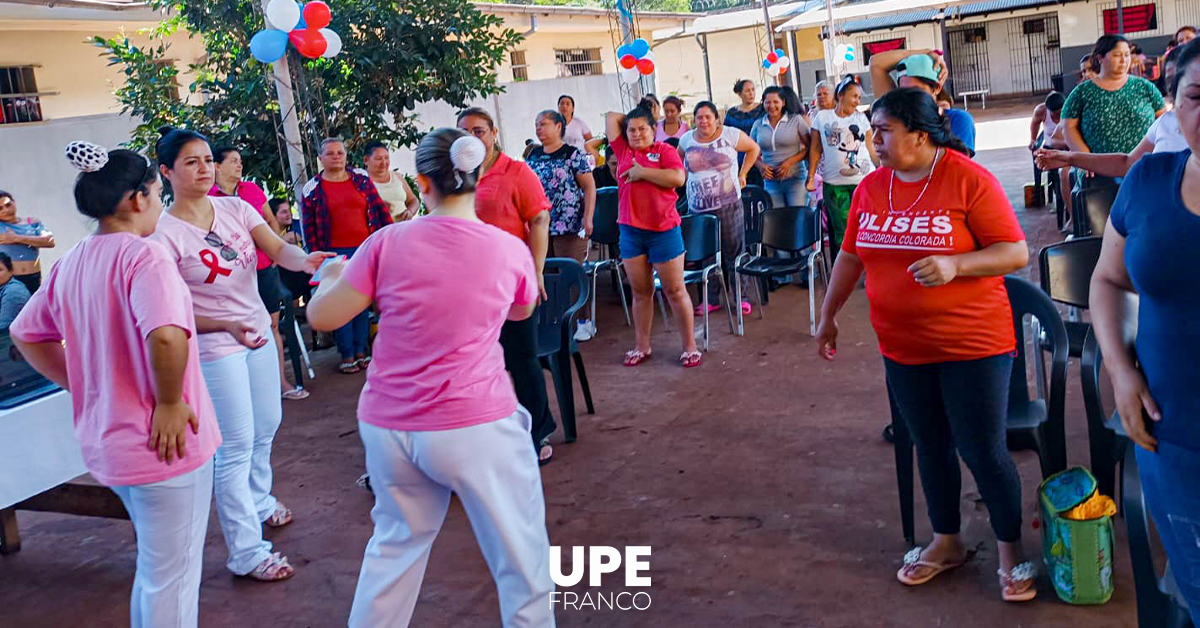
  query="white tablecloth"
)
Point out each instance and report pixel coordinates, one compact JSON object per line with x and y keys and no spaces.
{"x":38,"y":450}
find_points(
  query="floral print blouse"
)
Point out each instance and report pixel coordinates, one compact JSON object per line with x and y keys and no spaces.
{"x":557,"y":172}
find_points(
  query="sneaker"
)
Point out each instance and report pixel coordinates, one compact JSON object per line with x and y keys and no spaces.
{"x":585,"y":331}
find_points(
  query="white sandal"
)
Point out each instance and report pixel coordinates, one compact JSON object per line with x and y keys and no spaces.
{"x":1015,"y":581}
{"x":273,"y":569}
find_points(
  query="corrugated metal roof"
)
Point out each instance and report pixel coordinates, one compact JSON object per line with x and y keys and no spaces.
{"x":921,"y":17}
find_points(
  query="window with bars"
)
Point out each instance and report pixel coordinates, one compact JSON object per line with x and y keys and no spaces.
{"x":520,"y":68}
{"x":1139,"y":18}
{"x":19,"y":97}
{"x":872,"y":48}
{"x":578,"y":62}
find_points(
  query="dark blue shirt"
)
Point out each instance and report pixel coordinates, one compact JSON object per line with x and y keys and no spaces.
{"x":1161,"y":256}
{"x":963,"y":126}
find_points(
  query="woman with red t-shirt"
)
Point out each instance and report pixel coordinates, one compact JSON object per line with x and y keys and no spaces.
{"x":935,"y":234}
{"x":510,"y":196}
{"x":647,"y":174}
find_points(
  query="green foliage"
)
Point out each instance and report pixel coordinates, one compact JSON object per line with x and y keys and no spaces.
{"x":674,"y":6}
{"x":395,"y":54}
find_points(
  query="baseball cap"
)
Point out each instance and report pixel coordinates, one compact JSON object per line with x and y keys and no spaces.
{"x":918,"y":66}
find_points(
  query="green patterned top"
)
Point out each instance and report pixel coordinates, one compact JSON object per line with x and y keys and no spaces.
{"x":1114,"y":122}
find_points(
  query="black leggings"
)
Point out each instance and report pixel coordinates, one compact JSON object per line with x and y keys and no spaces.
{"x":961,"y":406}
{"x":519,"y":340}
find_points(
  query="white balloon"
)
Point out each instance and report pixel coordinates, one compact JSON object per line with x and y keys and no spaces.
{"x":774,"y":69}
{"x":283,"y":14}
{"x":784,"y":63}
{"x":840,"y":51}
{"x":648,"y":55}
{"x":333,"y":41}
{"x":630,"y":75}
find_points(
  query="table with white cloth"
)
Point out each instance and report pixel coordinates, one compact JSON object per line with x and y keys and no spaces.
{"x":41,"y":467}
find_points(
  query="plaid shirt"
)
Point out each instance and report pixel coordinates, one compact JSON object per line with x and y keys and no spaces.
{"x":317,"y":228}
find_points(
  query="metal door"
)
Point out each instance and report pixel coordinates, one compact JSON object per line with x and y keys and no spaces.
{"x":967,"y":48}
{"x":1033,"y":46}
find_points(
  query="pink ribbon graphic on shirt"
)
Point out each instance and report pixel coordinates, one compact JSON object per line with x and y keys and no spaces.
{"x":209,"y":259}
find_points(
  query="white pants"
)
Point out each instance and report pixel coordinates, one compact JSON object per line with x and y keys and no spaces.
{"x":245,"y":391}
{"x":170,"y":519}
{"x":494,"y":472}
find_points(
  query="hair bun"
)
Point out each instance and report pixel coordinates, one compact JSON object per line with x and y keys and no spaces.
{"x":86,"y":156}
{"x":165,"y":129}
{"x":467,"y":153}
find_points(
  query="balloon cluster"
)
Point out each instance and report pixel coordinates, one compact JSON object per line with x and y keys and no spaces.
{"x":306,"y":27}
{"x":845,"y":52}
{"x":635,"y":60}
{"x":777,"y":62}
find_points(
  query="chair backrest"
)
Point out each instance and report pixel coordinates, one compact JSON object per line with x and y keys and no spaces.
{"x":755,"y":201}
{"x":566,"y":291}
{"x":1097,"y":204}
{"x":1027,"y":299}
{"x":1065,"y":269}
{"x":604,"y":220}
{"x":791,"y":228}
{"x":701,"y":237}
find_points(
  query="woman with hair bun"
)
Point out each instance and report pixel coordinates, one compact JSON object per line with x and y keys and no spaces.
{"x":213,"y":241}
{"x":143,"y":418}
{"x":936,"y":234}
{"x":438,"y":413}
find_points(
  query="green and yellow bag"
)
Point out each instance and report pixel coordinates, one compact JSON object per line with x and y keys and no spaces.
{"x":1078,"y":554}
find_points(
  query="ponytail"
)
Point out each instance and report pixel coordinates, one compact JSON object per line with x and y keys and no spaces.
{"x":917,"y":111}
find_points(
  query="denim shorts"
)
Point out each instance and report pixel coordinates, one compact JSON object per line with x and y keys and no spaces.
{"x":657,"y":246}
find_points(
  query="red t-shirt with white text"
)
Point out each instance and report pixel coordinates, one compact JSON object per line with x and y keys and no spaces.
{"x":643,"y":204}
{"x":964,"y":209}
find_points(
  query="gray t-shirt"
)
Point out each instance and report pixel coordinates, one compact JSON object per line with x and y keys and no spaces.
{"x":782,"y":141}
{"x":712,"y":170}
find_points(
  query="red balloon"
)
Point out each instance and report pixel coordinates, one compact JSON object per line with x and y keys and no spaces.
{"x":628,"y":61}
{"x":645,"y":66}
{"x":782,"y":71}
{"x":317,"y":15}
{"x":772,"y":57}
{"x":310,"y":43}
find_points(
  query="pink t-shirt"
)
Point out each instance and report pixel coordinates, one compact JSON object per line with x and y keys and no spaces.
{"x":250,"y":192}
{"x":224,"y":289}
{"x":444,"y":287}
{"x":104,"y":298}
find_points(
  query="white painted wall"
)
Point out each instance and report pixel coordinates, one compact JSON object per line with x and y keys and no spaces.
{"x":42,"y":181}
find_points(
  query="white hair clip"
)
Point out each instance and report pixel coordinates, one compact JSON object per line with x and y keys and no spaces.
{"x":86,"y":156}
{"x":467,"y":153}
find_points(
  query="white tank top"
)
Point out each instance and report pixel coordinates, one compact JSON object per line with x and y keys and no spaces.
{"x":394,"y":194}
{"x":1049,"y":126}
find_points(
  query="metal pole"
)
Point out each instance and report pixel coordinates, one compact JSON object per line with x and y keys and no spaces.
{"x":625,"y":18}
{"x":289,"y":120}
{"x":830,"y":43}
{"x":702,"y":41}
{"x":1120,"y":17}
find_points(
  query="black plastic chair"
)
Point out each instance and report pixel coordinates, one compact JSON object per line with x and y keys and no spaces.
{"x":606,"y":233}
{"x":1065,"y":272}
{"x":755,"y":201}
{"x":1159,"y":602}
{"x":702,"y":246}
{"x":566,"y":293}
{"x":1092,"y":207}
{"x":793,"y":230}
{"x":1033,"y":424}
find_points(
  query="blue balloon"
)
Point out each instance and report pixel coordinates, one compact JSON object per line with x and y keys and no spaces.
{"x":639,"y":48}
{"x":766,"y":64}
{"x":780,"y":53}
{"x":623,"y":50}
{"x":301,"y":25}
{"x":269,"y":45}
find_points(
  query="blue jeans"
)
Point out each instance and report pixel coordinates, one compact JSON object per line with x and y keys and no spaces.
{"x":352,"y":338}
{"x":789,"y":192}
{"x":1174,"y":504}
{"x":960,"y":408}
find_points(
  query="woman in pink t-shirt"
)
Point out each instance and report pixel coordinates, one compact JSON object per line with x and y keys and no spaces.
{"x":213,"y":242}
{"x":143,"y":418}
{"x":229,"y":182}
{"x":647,"y":174}
{"x":438,"y":413}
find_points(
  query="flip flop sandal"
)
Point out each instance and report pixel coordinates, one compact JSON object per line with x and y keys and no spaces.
{"x":545,"y":444}
{"x":1018,"y":584}
{"x":348,"y":368}
{"x":362,"y":363}
{"x":281,"y":517}
{"x":913,"y":559}
{"x":296,"y":394}
{"x":635,"y":357}
{"x":690,"y":359}
{"x":746,"y":307}
{"x":699,"y":309}
{"x":273,"y":569}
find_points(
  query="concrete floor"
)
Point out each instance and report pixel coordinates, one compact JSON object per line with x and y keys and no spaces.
{"x":759,"y":480}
